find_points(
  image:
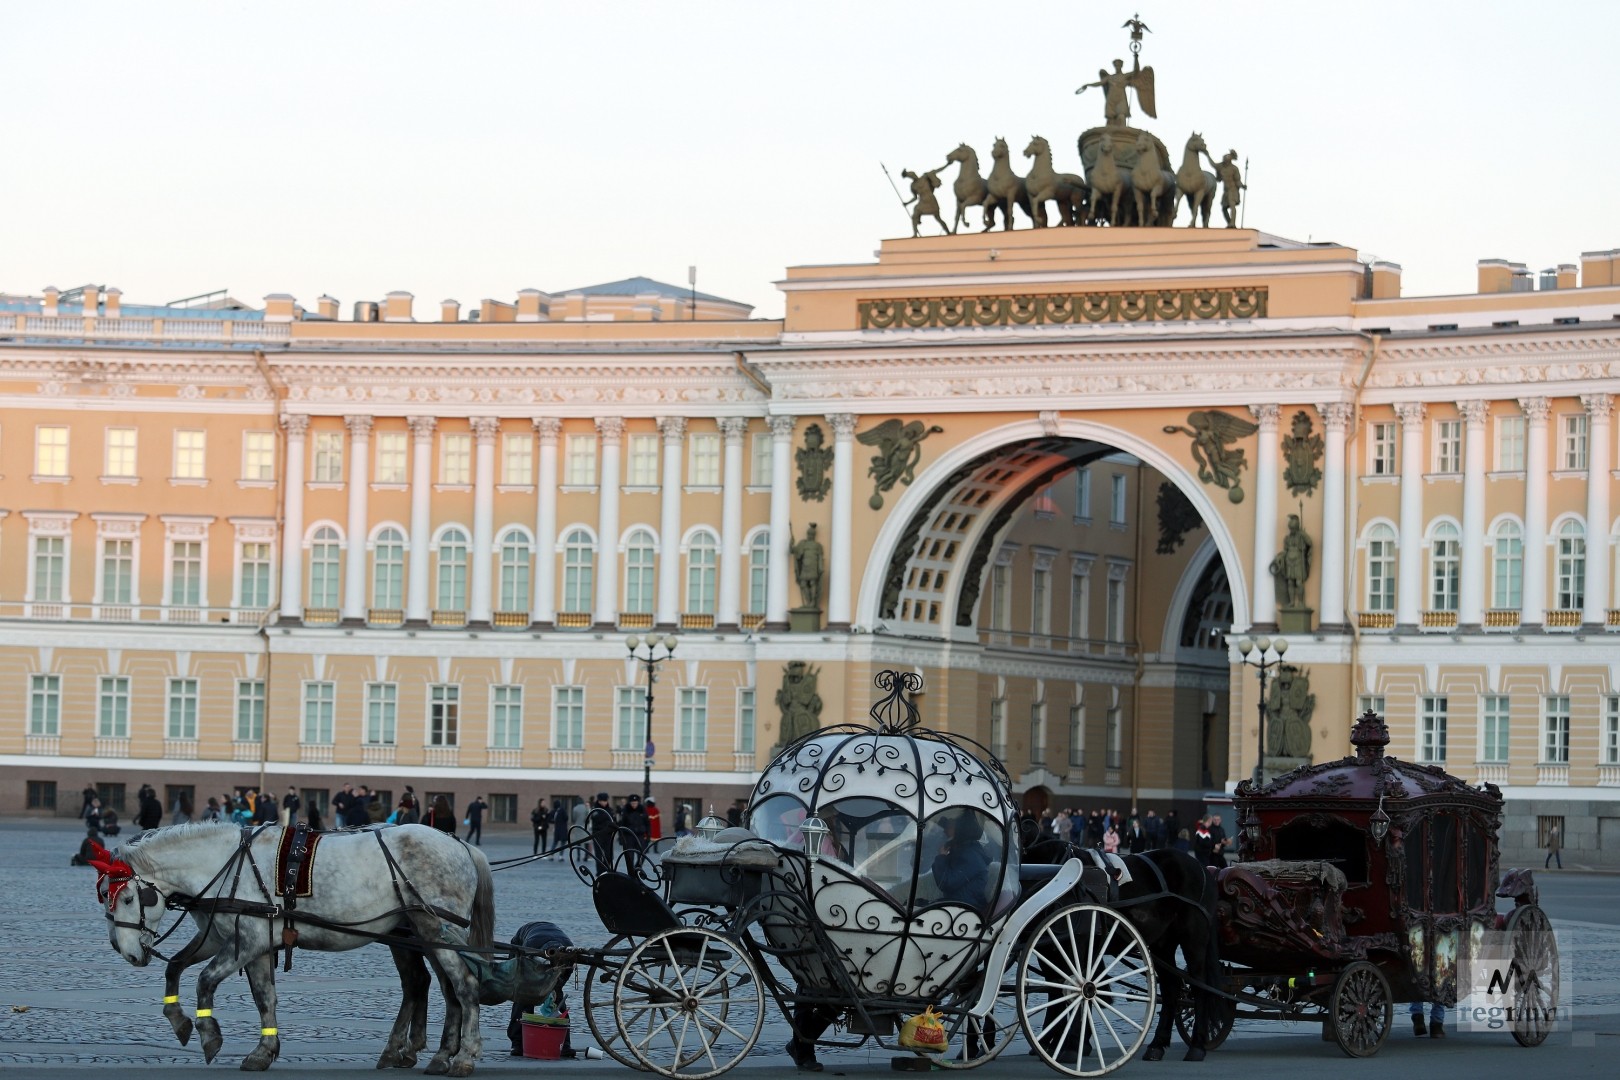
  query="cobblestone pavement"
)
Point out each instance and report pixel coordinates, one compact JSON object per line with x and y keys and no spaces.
{"x":67,"y":1000}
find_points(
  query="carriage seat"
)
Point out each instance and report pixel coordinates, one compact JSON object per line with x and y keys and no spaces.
{"x":627,"y":906}
{"x":927,"y":891}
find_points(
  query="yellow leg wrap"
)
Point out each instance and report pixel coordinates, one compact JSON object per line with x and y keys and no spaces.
{"x":172,"y":999}
{"x":267,"y":1031}
{"x":204,"y":1013}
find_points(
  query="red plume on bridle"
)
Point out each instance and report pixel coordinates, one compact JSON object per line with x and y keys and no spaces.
{"x":115,"y":872}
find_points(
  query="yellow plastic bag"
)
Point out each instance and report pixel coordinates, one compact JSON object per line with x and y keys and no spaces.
{"x":925,"y":1031}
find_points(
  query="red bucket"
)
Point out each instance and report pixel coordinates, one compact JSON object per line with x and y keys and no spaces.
{"x":544,"y":1041}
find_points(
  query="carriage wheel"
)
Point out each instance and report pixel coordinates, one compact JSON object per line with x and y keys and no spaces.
{"x":1095,"y":973}
{"x":1360,"y":1009}
{"x":598,"y":983}
{"x":1535,"y":953}
{"x":975,"y":1040}
{"x":688,"y":1003}
{"x":1217,"y":1023}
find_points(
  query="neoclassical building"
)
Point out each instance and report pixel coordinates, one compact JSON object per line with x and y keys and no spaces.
{"x":1053,"y":471}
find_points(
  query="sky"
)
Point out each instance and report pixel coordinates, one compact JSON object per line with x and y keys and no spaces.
{"x":471,"y":150}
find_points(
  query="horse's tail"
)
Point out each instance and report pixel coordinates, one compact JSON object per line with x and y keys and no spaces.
{"x":481,"y":933}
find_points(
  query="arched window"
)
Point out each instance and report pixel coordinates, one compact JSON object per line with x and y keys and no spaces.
{"x":759,"y":567}
{"x":579,"y":557}
{"x":388,"y":570}
{"x":514,"y":572}
{"x":1571,"y":565}
{"x":1443,"y":563}
{"x":701,"y":556}
{"x":325,"y":568}
{"x":1380,"y":568}
{"x":452,"y":571}
{"x":639,"y":555}
{"x":1507,"y":566}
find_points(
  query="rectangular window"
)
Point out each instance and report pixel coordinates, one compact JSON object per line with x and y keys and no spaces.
{"x":185,"y":573}
{"x":568,"y":718}
{"x":1037,"y":734}
{"x":506,"y":717}
{"x":1611,"y":730}
{"x":1116,"y":501}
{"x":580,"y":460}
{"x":998,"y":727}
{"x":517,"y":459}
{"x":503,"y":809}
{"x":1116,"y":610}
{"x":391,"y":446}
{"x":1555,"y":731}
{"x":1077,"y":735}
{"x":759,"y":471}
{"x":1574,"y":452}
{"x":258,"y":455}
{"x":50,"y":451}
{"x":1510,"y":443}
{"x":117,"y":571}
{"x":444,"y":715}
{"x":112,"y":713}
{"x":705,"y":460}
{"x":190,"y":455}
{"x":1040,"y":601}
{"x":1494,"y":728}
{"x":42,"y":795}
{"x":320,"y":702}
{"x":1000,"y":596}
{"x":1432,"y":731}
{"x":50,"y":568}
{"x":746,"y":720}
{"x":1381,"y":571}
{"x":45,"y":705}
{"x":692,"y":734}
{"x":1373,"y":703}
{"x":255,"y":575}
{"x":250,"y":710}
{"x":382,"y":713}
{"x":1507,"y":568}
{"x":1113,"y":739}
{"x":182,"y":709}
{"x":1448,"y":446}
{"x":1381,"y":449}
{"x":455,"y":459}
{"x":630,"y":718}
{"x":327,"y":460}
{"x":120,"y":452}
{"x":1080,"y":606}
{"x":1082,"y":494}
{"x":643,"y":461}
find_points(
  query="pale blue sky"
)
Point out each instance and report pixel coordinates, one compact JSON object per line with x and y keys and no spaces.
{"x":471,"y":150}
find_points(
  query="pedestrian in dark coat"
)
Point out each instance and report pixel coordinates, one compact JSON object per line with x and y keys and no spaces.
{"x":340,"y":806}
{"x":475,"y":820}
{"x":540,"y":819}
{"x":1136,"y":838}
{"x":440,"y":816}
{"x":150,"y":814}
{"x":633,"y":818}
{"x":559,"y":827}
{"x":410,"y":809}
{"x":290,"y":805}
{"x":601,"y":824}
{"x":265,"y":812}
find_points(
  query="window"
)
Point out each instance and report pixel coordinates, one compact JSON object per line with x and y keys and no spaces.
{"x":1507,"y":566}
{"x":643,"y":461}
{"x":45,"y":705}
{"x":578,"y":556}
{"x":120,"y":452}
{"x":517,"y":459}
{"x":1112,"y":737}
{"x":1510,"y":443}
{"x":700,"y":574}
{"x":1116,"y":609}
{"x":50,"y":451}
{"x":514,"y":572}
{"x":568,"y":717}
{"x":503,"y":808}
{"x":1448,"y":446}
{"x":258,"y":455}
{"x":190,"y":455}
{"x":1555,"y":731}
{"x":444,"y":714}
{"x":630,"y":718}
{"x":182,"y":709}
{"x":1077,"y":735}
{"x":1381,"y":449}
{"x":705,"y":460}
{"x":117,"y":571}
{"x":382,"y":713}
{"x":112,"y":713}
{"x":1574,"y":450}
{"x":249,"y":710}
{"x":388,"y":570}
{"x":452,"y":595}
{"x":1040,"y":602}
{"x":1082,"y":494}
{"x":42,"y":795}
{"x":1432,"y":731}
{"x":692,"y":732}
{"x":1443,"y":563}
{"x":759,"y":572}
{"x":455,"y":459}
{"x":759,"y":472}
{"x":1373,"y":703}
{"x":580,"y":467}
{"x":746,"y":720}
{"x":1001,"y":596}
{"x":506,"y":717}
{"x":391,"y":457}
{"x":325,"y":568}
{"x":1571,"y":565}
{"x":50,"y":568}
{"x":1494,"y":724}
{"x":1611,"y":730}
{"x":327,"y":460}
{"x":640,"y":555}
{"x":185,"y":573}
{"x":1380,"y":568}
{"x":1116,"y":501}
{"x":320,"y":700}
{"x":1080,"y":602}
{"x":1037,"y":733}
{"x":998,"y":727}
{"x":255,"y":574}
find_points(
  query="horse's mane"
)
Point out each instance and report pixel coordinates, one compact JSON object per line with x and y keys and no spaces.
{"x":145,"y":851}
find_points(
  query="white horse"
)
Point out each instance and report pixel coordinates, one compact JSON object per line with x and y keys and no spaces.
{"x":366,"y":885}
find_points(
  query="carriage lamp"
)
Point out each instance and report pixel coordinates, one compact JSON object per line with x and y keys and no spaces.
{"x":710,"y":827}
{"x":1251,"y":829}
{"x":1267,"y":655}
{"x":1378,"y":824}
{"x":814,"y":831}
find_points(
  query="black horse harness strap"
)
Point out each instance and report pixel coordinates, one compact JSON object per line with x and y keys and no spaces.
{"x":295,"y":867}
{"x":395,"y":874}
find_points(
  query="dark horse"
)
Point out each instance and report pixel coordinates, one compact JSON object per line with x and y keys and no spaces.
{"x":1170,"y":899}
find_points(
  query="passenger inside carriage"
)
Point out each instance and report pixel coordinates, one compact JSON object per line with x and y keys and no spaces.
{"x":962,"y":867}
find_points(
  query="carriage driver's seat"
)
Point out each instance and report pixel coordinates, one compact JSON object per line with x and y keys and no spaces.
{"x":628,"y":907}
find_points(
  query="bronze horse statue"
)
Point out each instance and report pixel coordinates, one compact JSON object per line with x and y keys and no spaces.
{"x":1044,"y":184}
{"x":969,"y":187}
{"x":1006,"y":189}
{"x":1151,"y":182}
{"x":1195,"y":182}
{"x":1107,"y":181}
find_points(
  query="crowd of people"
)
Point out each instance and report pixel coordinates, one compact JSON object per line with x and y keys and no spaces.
{"x":1112,"y":833}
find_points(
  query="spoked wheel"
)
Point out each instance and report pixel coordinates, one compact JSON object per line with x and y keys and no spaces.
{"x":975,"y":1040}
{"x":1535,"y":955}
{"x":1095,"y":976}
{"x":599,"y":982}
{"x":688,"y":1003}
{"x":1360,"y":1009}
{"x":1217,"y":1021}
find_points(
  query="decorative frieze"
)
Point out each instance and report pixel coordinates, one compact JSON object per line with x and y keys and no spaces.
{"x":1164,"y":305}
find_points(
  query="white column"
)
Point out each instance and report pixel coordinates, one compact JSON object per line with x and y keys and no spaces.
{"x":1474,"y":564}
{"x":611,"y":430}
{"x":841,"y":555}
{"x":545,"y":523}
{"x":1409,"y":566}
{"x":1265,"y":514}
{"x":354,"y":566}
{"x":292,"y":518}
{"x":729,"y":608}
{"x":1598,"y":408}
{"x":418,"y":593}
{"x":673,"y":429}
{"x":485,"y":429}
{"x":777,"y":575}
{"x":1536,"y":482}
{"x":1336,"y":417}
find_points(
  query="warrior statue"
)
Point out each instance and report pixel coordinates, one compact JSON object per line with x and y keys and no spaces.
{"x":922,"y":195}
{"x":799,"y":701}
{"x":1291,"y":566}
{"x":1232,"y":187}
{"x":809,"y":565}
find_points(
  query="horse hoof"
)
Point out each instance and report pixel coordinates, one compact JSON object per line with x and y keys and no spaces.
{"x":437,"y":1067}
{"x":182,"y":1030}
{"x":1194,"y":1054}
{"x":258,"y":1061}
{"x":1153,"y":1053}
{"x":210,"y":1047}
{"x":461,"y":1068}
{"x":406,"y":1061}
{"x":388,"y":1060}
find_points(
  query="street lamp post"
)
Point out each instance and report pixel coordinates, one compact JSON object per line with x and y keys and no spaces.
{"x":652,"y":660}
{"x":1268,"y":654}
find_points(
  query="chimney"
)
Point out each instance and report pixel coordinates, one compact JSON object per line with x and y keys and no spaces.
{"x":1597,"y":268}
{"x":1549,"y":280}
{"x":115,"y":297}
{"x":449,"y":310}
{"x":278,"y":307}
{"x":1495,"y":276}
{"x":52,"y":298}
{"x":1386,"y":280}
{"x":494,"y":311}
{"x":532,"y":306}
{"x":397,"y":307}
{"x":327,"y":307}
{"x":92,"y":300}
{"x":1566,"y":275}
{"x":1522,"y":279}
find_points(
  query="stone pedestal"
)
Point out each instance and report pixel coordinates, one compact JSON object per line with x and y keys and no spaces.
{"x":1296,"y":620}
{"x":1276,"y":766}
{"x":804,"y":620}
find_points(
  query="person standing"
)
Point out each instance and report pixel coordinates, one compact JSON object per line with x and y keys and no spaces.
{"x":264,"y":812}
{"x":540,"y":818}
{"x":440,"y":816}
{"x":683,"y":819}
{"x":410,"y":810}
{"x":655,"y":821}
{"x":559,"y":828}
{"x":90,"y":795}
{"x":601,"y":825}
{"x":1218,"y":834}
{"x":314,"y":816}
{"x":359,"y":813}
{"x":1555,"y":847}
{"x":1136,"y":838}
{"x":1110,"y":844}
{"x":92,"y":813}
{"x":340,"y":806}
{"x":1436,"y":1028}
{"x":150,"y":813}
{"x":290,"y":805}
{"x":633,"y":819}
{"x":475,"y":820}
{"x":580,"y":813}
